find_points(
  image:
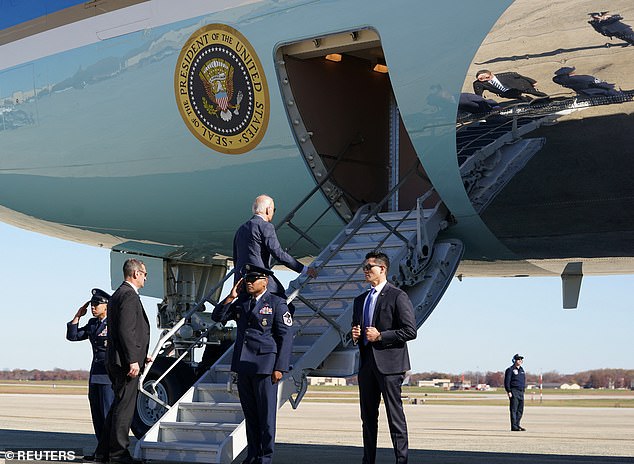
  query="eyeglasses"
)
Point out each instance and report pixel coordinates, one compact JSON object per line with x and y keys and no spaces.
{"x":252,"y":279}
{"x":367,"y":267}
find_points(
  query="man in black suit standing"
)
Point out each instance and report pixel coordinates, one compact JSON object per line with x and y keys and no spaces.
{"x":127,"y":347}
{"x":507,"y":85}
{"x":382,"y":322}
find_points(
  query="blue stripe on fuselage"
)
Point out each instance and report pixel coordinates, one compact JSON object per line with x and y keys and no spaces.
{"x":21,"y":11}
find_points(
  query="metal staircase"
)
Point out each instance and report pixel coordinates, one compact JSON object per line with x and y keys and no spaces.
{"x":207,"y":424}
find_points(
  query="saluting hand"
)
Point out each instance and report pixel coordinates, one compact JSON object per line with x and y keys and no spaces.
{"x":82,"y":310}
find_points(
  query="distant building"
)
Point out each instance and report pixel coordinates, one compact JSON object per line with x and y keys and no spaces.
{"x":436,"y":383}
{"x":327,"y":381}
{"x":462,"y":385}
{"x":572,"y":386}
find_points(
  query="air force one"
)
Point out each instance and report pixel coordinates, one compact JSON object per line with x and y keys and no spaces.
{"x":148,"y":127}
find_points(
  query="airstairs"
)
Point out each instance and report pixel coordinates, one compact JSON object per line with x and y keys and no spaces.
{"x":207,"y":424}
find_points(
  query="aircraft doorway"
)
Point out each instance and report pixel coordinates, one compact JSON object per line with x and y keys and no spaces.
{"x":346,"y":121}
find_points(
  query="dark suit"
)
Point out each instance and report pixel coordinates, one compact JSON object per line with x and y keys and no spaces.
{"x":382,"y":368}
{"x":100,"y":394}
{"x":128,"y":342}
{"x":586,"y":85}
{"x":514,"y":82}
{"x":613,"y":27}
{"x":263,"y":344}
{"x":256,"y":243}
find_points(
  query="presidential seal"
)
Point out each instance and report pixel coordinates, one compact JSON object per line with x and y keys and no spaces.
{"x":221,"y":90}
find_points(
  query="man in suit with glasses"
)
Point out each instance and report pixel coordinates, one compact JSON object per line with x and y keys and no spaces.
{"x":383,"y":322}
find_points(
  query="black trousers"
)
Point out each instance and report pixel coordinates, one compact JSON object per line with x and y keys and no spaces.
{"x":373,"y":385}
{"x":115,"y":438}
{"x":516,"y":408}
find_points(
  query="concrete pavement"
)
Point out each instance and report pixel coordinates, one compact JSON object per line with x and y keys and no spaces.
{"x":331,"y":432}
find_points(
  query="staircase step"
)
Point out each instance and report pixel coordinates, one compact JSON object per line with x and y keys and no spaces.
{"x":380,"y":228}
{"x":300,"y":349}
{"x":223,"y":368}
{"x":366,"y":243}
{"x":180,"y":451}
{"x":196,"y":432}
{"x":326,"y":277}
{"x":312,"y":330}
{"x":216,"y":392}
{"x":210,"y":412}
{"x":325,"y":293}
{"x":393,"y":216}
{"x":304,"y":313}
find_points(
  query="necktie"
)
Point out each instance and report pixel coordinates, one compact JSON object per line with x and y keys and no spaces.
{"x":496,"y":83}
{"x":251,"y":304}
{"x":367,"y":318}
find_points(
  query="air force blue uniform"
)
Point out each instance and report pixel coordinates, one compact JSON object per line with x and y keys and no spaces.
{"x":100,"y":393}
{"x":515,"y":383}
{"x":263,"y":345}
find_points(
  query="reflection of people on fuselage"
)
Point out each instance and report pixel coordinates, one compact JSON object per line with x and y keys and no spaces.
{"x":440,"y":99}
{"x":510,"y":85}
{"x":611,"y":26}
{"x":584,"y":85}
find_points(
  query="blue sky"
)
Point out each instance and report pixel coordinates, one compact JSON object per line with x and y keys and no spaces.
{"x":478,"y":325}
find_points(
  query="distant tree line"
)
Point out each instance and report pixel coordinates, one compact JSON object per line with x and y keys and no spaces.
{"x":598,"y":378}
{"x":36,"y":374}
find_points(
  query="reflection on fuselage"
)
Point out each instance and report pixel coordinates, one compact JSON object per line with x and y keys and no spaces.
{"x":573,"y":88}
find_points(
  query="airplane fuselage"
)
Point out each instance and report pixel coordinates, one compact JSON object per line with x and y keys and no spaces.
{"x":118,"y":131}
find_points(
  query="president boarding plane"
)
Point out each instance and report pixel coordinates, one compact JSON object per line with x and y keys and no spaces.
{"x":148,"y":126}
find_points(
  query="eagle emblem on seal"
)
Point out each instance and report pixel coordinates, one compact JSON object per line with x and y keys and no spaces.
{"x":217,"y":78}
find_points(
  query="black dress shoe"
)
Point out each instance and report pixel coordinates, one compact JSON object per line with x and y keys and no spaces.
{"x":521,"y":429}
{"x":513,"y":429}
{"x":125,"y":460}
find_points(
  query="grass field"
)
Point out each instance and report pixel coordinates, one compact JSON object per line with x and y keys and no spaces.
{"x":59,"y":387}
{"x":431,"y":396}
{"x":417,"y":395}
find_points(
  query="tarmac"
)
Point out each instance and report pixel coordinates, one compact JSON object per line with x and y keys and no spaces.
{"x":330,"y":432}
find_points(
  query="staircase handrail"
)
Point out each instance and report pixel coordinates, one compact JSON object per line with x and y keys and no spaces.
{"x":333,"y":252}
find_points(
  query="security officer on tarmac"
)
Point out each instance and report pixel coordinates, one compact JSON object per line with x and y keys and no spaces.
{"x":261,"y":355}
{"x":100,"y":393}
{"x":515,"y":384}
